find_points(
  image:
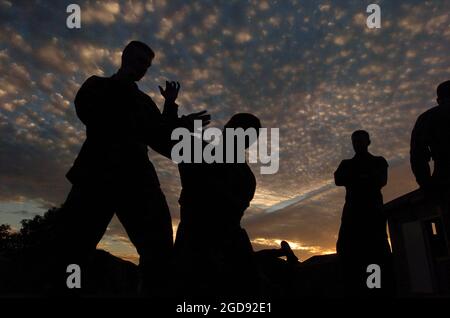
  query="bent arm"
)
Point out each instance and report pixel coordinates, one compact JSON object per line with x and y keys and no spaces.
{"x":340,"y":176}
{"x":159,"y":131}
{"x":87,"y":102}
{"x":381,"y":175}
{"x":420,"y":154}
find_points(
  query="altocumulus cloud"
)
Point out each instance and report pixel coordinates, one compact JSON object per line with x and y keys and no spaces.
{"x":311,"y":68}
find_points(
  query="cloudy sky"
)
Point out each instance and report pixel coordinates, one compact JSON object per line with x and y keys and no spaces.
{"x":310,"y":68}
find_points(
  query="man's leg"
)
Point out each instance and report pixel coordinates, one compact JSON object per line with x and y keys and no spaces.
{"x":146,"y":217}
{"x":81,"y":224}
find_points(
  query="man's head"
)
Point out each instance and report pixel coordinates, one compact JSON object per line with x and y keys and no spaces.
{"x":443,"y":93}
{"x":360,"y":141}
{"x":136,"y":59}
{"x":244,"y":121}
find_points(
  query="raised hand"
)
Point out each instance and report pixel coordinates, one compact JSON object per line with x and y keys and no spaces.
{"x":171,"y":91}
{"x":189,"y":119}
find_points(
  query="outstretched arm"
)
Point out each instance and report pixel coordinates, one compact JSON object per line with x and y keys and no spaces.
{"x":159,"y":134}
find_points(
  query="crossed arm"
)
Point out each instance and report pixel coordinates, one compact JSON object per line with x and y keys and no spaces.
{"x":347,"y":178}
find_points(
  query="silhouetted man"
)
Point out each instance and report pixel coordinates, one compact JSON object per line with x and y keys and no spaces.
{"x":430,"y":140}
{"x":215,"y":256}
{"x":362,"y":235}
{"x":113,"y":174}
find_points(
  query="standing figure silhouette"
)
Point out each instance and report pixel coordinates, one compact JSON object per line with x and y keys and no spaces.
{"x":113,"y":174}
{"x":430,"y":140}
{"x":362,"y":236}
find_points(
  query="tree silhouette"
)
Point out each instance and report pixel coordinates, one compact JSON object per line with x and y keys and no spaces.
{"x":5,"y":236}
{"x":33,"y":232}
{"x":25,"y":257}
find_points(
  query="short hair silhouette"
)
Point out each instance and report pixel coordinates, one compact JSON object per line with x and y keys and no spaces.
{"x":443,"y":90}
{"x":360,"y":141}
{"x":136,"y":59}
{"x":134,"y":46}
{"x":244,"y":121}
{"x":361,"y":134}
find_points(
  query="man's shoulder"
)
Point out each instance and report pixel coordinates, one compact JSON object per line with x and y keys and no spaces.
{"x":346,"y":162}
{"x":145,"y":96}
{"x":380,"y":160}
{"x":93,"y":87}
{"x":429,"y":114}
{"x":95,"y":79}
{"x":94,"y":83}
